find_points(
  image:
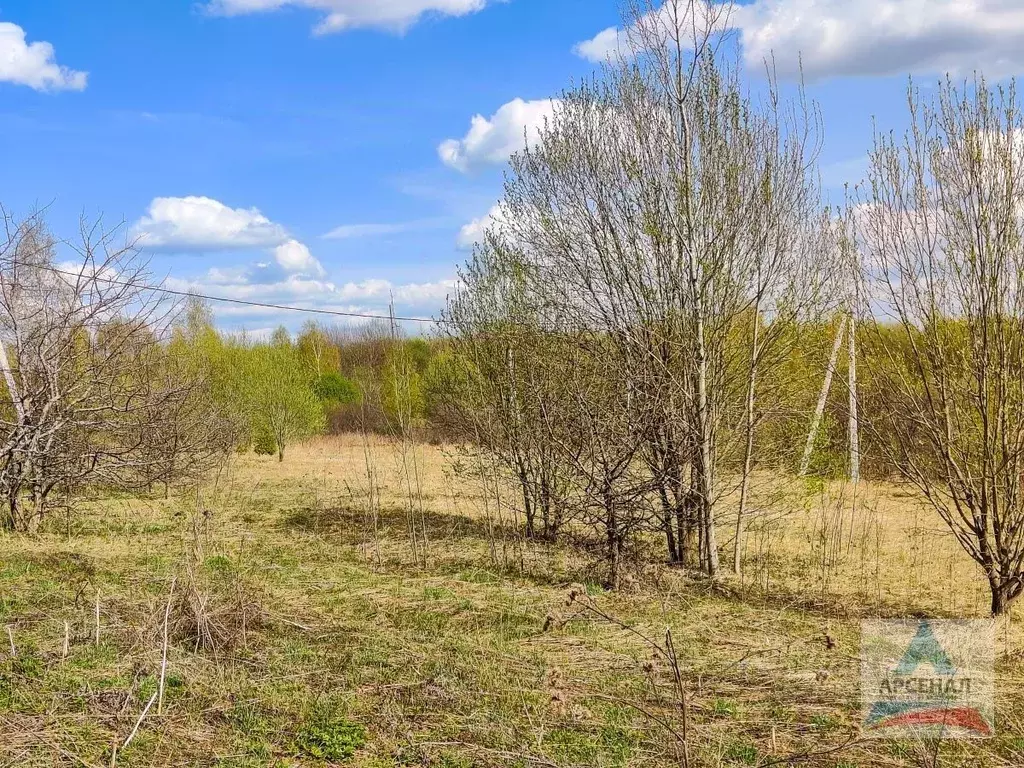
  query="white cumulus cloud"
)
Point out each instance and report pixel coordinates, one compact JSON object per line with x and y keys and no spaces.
{"x":339,"y":15}
{"x":493,"y":140}
{"x":868,"y":37}
{"x":205,"y":224}
{"x":295,"y":259}
{"x":202,"y":223}
{"x":474,"y":232}
{"x":34,"y":64}
{"x":605,"y":43}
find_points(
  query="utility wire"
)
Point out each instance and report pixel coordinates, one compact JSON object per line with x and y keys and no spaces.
{"x":243,"y":302}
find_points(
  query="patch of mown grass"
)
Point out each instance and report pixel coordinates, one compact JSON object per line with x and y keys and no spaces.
{"x":10,"y":607}
{"x":479,"y":576}
{"x":454,"y":760}
{"x":7,"y":691}
{"x":437,"y":593}
{"x":572,"y":746}
{"x":91,"y":656}
{"x":219,"y":564}
{"x":724,"y":708}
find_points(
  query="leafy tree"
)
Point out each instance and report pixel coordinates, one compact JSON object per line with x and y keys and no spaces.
{"x":402,"y":387}
{"x":278,"y":394}
{"x":317,"y":352}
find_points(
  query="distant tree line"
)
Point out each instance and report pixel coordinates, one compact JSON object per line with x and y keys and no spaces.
{"x":324,"y":379}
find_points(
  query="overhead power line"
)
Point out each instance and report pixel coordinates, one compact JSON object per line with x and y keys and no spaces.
{"x":243,"y":302}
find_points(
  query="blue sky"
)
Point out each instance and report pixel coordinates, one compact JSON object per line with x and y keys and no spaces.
{"x":236,"y":135}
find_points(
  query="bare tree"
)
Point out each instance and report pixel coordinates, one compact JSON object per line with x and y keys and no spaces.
{"x":599,"y":432}
{"x":940,"y":228}
{"x":506,"y":393}
{"x":85,"y":373}
{"x":660,"y":208}
{"x":659,"y":212}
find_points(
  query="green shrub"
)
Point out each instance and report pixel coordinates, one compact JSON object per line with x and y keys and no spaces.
{"x":264,"y":443}
{"x":335,"y":389}
{"x":741,"y":753}
{"x":330,"y":737}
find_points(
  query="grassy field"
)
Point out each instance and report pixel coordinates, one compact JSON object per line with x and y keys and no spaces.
{"x":310,"y":621}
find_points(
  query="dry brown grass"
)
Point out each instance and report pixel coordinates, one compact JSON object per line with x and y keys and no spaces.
{"x":471,"y":656}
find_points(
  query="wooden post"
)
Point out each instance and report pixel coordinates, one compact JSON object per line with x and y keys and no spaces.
{"x":819,"y":411}
{"x":854,"y":420}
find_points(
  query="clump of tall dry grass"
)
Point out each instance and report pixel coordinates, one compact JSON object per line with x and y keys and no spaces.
{"x":217,"y":604}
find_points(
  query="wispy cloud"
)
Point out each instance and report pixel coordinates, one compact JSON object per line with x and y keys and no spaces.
{"x":351,"y":231}
{"x":341,"y":15}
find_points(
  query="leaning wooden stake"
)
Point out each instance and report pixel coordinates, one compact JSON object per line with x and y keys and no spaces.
{"x":163,"y":663}
{"x":97,"y":617}
{"x":819,"y":411}
{"x":10,"y":637}
{"x":135,"y":730}
{"x":67,"y":641}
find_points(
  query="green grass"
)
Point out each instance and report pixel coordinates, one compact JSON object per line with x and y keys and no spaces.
{"x":355,"y":654}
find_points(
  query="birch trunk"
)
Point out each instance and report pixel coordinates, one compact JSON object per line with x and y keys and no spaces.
{"x":12,"y":386}
{"x":748,"y":454}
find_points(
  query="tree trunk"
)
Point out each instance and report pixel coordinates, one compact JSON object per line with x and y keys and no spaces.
{"x":1004,"y":593}
{"x":12,"y":387}
{"x":705,"y":474}
{"x":998,"y":600}
{"x":549,"y":520}
{"x":612,"y":525}
{"x":748,"y":453}
{"x":668,"y":521}
{"x":686,"y":516}
{"x":528,"y":507}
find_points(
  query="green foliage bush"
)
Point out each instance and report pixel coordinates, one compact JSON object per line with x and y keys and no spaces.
{"x":271,"y":393}
{"x":334,"y":389}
